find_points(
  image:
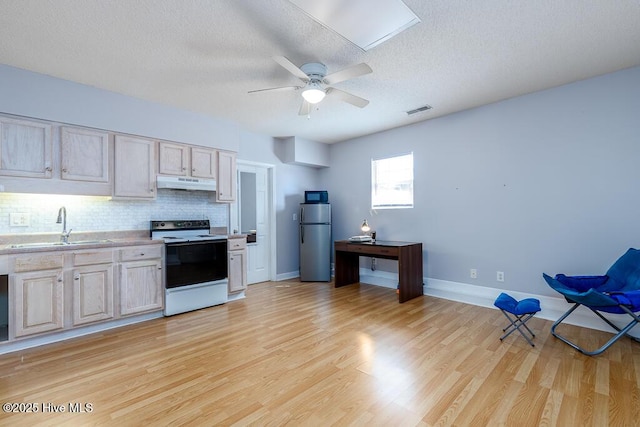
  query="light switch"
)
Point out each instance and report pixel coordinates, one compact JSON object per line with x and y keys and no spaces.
{"x":19,"y":219}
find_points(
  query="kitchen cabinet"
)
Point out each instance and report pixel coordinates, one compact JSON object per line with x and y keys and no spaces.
{"x":185,"y":160}
{"x":174,"y":159}
{"x":203,"y":162}
{"x":37,"y":290}
{"x":93,"y":286}
{"x":237,"y":270}
{"x":141,"y":287}
{"x":226,"y":182}
{"x":72,"y":159}
{"x":63,"y":289}
{"x":84,"y":155}
{"x":25,"y":148}
{"x":134,"y":168}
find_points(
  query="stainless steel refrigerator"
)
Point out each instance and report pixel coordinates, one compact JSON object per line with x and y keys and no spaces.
{"x":315,"y":242}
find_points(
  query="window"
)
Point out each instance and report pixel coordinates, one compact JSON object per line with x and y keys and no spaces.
{"x":392,"y":182}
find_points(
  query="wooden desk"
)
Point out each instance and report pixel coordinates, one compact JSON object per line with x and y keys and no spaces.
{"x":408,"y":255}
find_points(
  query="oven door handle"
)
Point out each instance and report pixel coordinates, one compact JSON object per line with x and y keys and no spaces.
{"x":199,"y":242}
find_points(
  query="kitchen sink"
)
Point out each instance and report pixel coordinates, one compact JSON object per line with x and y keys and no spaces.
{"x":53,"y":244}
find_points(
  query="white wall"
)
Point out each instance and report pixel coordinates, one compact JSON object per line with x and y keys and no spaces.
{"x":291,"y":182}
{"x":40,"y":96}
{"x":547,"y":182}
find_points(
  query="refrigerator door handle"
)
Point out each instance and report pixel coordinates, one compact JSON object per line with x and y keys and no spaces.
{"x":302,"y":234}
{"x":302,"y":214}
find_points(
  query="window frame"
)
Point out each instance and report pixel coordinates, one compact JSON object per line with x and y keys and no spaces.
{"x":375,"y":166}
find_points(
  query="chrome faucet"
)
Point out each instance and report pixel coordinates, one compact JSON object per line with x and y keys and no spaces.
{"x":62,"y":219}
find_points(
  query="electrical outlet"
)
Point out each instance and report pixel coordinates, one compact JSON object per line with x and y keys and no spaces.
{"x":473,"y":273}
{"x":295,"y":216}
{"x":19,"y":219}
{"x":500,"y":276}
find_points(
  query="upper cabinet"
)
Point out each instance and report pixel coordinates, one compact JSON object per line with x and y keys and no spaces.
{"x":226,"y":176}
{"x":174,"y":159}
{"x":185,"y":160}
{"x":203,"y":162}
{"x":25,"y":148}
{"x":134,"y":168}
{"x":52,"y":158}
{"x":84,"y":155}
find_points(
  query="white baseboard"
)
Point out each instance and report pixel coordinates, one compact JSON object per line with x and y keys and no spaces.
{"x":77,"y":332}
{"x":552,"y":308}
{"x":287,"y":276}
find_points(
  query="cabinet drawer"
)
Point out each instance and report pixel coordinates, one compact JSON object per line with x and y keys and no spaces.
{"x":236,"y":244}
{"x":373,"y":250}
{"x":92,"y":257}
{"x":141,"y":252}
{"x":38,"y":262}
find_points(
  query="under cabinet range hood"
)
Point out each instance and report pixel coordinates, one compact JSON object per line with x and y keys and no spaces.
{"x":186,"y":183}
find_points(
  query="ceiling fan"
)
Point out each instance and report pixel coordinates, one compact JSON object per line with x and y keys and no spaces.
{"x":314,"y":75}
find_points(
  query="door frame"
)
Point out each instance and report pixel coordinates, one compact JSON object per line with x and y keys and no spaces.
{"x":270,"y":209}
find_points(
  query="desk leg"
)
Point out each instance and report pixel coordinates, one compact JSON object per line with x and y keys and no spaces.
{"x":347,"y":268}
{"x":410,"y":273}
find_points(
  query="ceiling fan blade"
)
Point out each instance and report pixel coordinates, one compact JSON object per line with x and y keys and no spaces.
{"x":348,"y":97}
{"x":305,"y":108}
{"x":347,"y":73}
{"x":291,"y":67}
{"x":276,"y":89}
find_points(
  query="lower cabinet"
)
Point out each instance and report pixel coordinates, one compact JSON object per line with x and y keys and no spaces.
{"x":140,"y":286}
{"x":58,"y":290}
{"x":140,"y":279}
{"x":92,"y":294}
{"x":237,"y":248}
{"x":38,"y":302}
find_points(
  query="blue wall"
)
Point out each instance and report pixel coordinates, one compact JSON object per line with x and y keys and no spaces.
{"x":548,"y":181}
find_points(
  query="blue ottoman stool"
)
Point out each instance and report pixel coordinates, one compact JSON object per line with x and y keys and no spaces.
{"x":521,"y":311}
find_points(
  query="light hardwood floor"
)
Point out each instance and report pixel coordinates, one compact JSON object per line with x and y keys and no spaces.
{"x":296,"y":353}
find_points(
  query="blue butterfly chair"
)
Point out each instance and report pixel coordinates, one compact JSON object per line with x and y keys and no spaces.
{"x":616,"y":292}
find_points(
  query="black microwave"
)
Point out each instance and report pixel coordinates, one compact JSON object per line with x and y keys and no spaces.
{"x":316,"y":197}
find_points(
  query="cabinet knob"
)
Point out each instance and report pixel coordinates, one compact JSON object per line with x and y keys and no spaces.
{"x":151,"y":190}
{"x":64,"y":170}
{"x":48,"y":169}
{"x":184,"y":169}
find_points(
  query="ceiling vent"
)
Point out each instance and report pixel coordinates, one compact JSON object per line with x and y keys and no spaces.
{"x":419,"y":109}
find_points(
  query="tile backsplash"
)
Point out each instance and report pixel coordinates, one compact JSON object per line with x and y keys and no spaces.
{"x":86,"y":213}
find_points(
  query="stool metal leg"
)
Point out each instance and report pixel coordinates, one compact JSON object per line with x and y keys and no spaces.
{"x":520,"y":321}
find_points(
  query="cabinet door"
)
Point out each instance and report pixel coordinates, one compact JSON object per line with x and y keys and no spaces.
{"x":203,"y":163}
{"x":37,"y":301}
{"x":134,"y":169}
{"x":237,"y":271}
{"x":174,"y":159}
{"x":92,"y":293}
{"x":84,"y":155}
{"x":25,"y":149}
{"x":140,"y":286}
{"x":226,"y":182}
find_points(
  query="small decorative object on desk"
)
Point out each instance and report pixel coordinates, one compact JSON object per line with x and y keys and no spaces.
{"x":360,"y":238}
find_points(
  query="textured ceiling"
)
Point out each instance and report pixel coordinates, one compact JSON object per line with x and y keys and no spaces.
{"x":205,"y":55}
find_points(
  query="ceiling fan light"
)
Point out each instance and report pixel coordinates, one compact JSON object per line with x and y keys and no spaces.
{"x":313,"y":94}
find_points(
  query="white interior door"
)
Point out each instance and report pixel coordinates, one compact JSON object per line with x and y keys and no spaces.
{"x":254,"y":212}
